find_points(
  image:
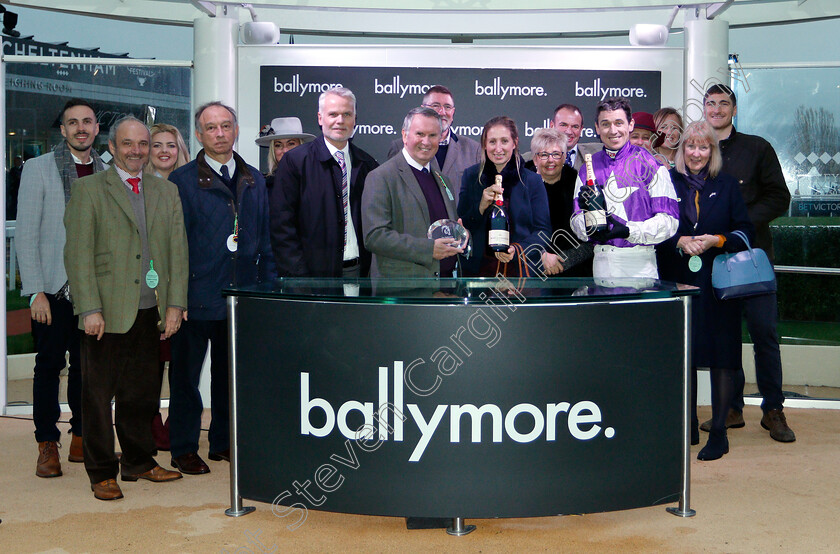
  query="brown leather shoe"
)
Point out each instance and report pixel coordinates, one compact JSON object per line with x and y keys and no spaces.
{"x":220,"y":455}
{"x":76,"y":453}
{"x":156,"y":475}
{"x":191,"y":464}
{"x":49,"y":464}
{"x":776,"y":422}
{"x":734,"y":420}
{"x":107,"y":490}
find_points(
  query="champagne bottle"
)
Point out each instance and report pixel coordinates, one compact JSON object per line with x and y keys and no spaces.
{"x":594,"y":214}
{"x":499,"y":236}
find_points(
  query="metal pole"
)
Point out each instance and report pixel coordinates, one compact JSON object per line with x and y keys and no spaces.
{"x":684,"y":509}
{"x":236,"y":508}
{"x":458,"y":528}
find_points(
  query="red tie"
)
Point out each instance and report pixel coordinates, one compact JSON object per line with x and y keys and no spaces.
{"x":135,"y":184}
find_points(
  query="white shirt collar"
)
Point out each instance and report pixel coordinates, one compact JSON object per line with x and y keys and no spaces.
{"x":217,"y":166}
{"x":125,"y":175}
{"x":413,"y":163}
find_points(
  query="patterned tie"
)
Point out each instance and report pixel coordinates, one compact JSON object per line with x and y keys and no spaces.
{"x":225,"y":174}
{"x":345,"y":188}
{"x":570,"y":158}
{"x":135,"y":184}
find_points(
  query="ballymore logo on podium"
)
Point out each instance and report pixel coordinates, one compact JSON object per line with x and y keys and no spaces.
{"x":581,"y":419}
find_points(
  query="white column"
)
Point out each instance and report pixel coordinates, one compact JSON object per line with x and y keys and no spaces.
{"x":706,"y":61}
{"x":214,"y":58}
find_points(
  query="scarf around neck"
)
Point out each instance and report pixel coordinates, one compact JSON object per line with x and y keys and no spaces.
{"x":67,"y":166}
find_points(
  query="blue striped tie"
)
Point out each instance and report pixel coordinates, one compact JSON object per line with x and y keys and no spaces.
{"x":345,"y":188}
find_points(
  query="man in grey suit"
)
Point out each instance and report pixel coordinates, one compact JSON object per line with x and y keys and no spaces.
{"x":568,"y":120}
{"x":402,"y":197}
{"x":44,"y":192}
{"x":454,"y":154}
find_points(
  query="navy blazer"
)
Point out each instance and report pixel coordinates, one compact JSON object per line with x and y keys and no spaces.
{"x":529,"y":215}
{"x":307,"y":216}
{"x":209,"y":218}
{"x":716,"y":325}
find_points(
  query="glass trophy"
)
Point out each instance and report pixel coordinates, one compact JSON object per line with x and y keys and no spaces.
{"x":446,"y":228}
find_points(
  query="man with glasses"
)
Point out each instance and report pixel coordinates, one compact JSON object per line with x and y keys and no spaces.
{"x":455,"y":154}
{"x":754,"y":163}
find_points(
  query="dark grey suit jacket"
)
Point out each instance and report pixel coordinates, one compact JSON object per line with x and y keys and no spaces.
{"x":586,"y":148}
{"x":462,"y":153}
{"x":395,"y":219}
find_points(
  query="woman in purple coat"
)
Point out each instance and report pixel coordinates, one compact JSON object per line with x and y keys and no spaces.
{"x":711,"y":208}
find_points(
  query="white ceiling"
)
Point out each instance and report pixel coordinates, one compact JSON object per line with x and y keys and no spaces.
{"x":450,"y":18}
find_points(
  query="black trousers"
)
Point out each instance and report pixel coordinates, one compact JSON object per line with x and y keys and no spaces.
{"x":123,"y":367}
{"x":761,"y":313}
{"x":52,"y":342}
{"x":189,"y":347}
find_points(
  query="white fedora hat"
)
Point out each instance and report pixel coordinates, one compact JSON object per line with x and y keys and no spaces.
{"x":283,"y":128}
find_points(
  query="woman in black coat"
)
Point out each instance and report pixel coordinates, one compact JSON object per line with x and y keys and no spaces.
{"x":711,"y":208}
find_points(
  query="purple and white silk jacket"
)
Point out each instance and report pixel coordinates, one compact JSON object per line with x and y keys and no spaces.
{"x":639,"y":194}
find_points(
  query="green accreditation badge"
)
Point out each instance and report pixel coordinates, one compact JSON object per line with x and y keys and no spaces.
{"x":695,"y":263}
{"x":152,"y":278}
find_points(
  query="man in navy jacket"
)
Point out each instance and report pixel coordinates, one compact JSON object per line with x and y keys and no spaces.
{"x":316,"y":201}
{"x":225,"y":205}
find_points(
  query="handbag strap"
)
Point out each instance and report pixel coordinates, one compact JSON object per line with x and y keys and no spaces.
{"x":741,"y":235}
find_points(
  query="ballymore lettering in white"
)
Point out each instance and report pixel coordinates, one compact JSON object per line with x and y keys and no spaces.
{"x":396,"y":87}
{"x":581,"y":419}
{"x":602,"y":92}
{"x":497,"y":89}
{"x":295,"y":86}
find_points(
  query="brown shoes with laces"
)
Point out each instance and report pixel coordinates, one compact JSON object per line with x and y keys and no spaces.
{"x":107,"y":490}
{"x":734,"y":420}
{"x":49,"y":464}
{"x":775,"y":422}
{"x":156,"y":475}
{"x":76,"y":453}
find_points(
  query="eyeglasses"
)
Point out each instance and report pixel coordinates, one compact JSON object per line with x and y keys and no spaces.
{"x":553,"y":155}
{"x":438,"y":106}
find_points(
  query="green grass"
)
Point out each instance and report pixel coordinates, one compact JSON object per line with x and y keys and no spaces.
{"x":14,"y":301}
{"x":803,"y":332}
{"x":810,"y":221}
{"x":20,"y":344}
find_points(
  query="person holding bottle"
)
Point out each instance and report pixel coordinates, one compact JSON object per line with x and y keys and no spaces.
{"x":711,"y":209}
{"x":642,"y":208}
{"x":524,"y":202}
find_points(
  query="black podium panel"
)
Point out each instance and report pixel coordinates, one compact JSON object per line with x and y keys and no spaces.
{"x":459,"y":410}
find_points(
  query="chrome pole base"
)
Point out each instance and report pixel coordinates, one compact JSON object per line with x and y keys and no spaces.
{"x":244,"y":510}
{"x":458,"y":528}
{"x":681,"y":513}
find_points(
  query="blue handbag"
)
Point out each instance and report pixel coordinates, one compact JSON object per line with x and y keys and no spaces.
{"x":742,"y":274}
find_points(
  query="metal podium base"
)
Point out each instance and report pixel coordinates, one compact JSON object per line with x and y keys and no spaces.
{"x":458,"y":528}
{"x":681,"y":513}
{"x":245,"y":510}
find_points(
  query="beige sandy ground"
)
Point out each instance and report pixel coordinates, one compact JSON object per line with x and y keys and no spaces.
{"x":763,"y":496}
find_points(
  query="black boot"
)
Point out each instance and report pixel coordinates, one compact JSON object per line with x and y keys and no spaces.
{"x":722,"y":391}
{"x":716,"y":446}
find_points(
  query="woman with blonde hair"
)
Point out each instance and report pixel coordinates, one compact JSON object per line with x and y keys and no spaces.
{"x":669,"y":125}
{"x":167,"y":151}
{"x":711,"y":212}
